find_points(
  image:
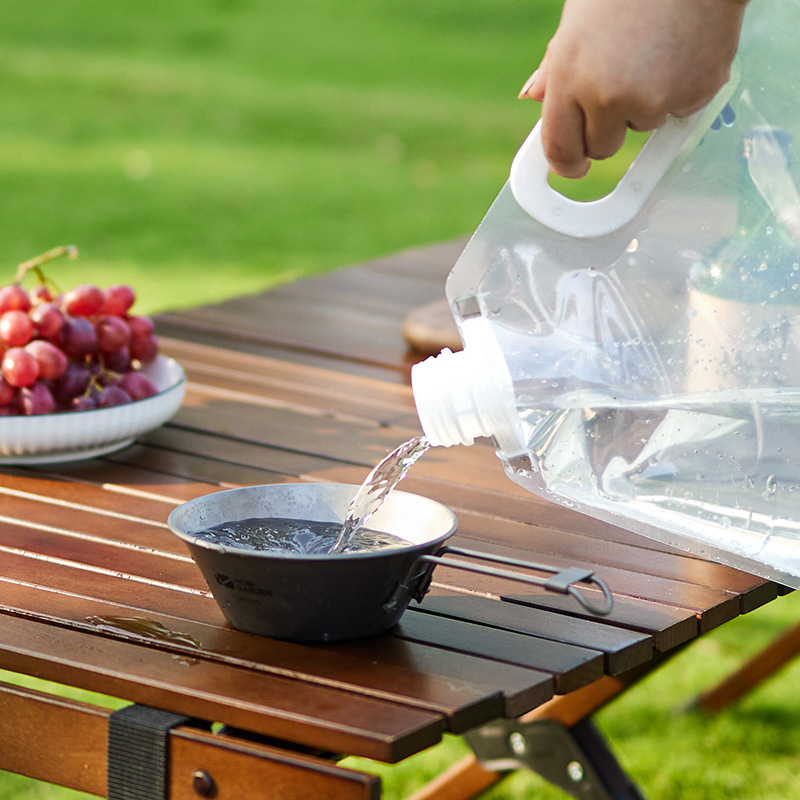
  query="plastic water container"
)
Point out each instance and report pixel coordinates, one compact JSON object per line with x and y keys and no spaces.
{"x":637,"y":357}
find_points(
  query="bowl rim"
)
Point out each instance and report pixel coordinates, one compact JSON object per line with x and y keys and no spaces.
{"x":396,"y":495}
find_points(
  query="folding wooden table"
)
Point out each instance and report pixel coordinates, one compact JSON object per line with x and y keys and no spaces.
{"x":309,"y":382}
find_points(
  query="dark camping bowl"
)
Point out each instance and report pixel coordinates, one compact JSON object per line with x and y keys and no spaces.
{"x":324,"y":597}
{"x":313,"y":597}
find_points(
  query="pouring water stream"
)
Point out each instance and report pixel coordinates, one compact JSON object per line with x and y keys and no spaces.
{"x":380,"y":481}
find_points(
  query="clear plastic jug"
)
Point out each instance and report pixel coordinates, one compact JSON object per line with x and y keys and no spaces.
{"x":638,"y":357}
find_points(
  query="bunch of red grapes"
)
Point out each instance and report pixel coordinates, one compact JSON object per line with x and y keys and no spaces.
{"x":75,"y":351}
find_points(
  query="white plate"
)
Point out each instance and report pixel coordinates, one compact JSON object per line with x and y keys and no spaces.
{"x":74,"y":435}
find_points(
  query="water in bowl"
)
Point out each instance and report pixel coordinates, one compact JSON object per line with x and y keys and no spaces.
{"x":295,"y":536}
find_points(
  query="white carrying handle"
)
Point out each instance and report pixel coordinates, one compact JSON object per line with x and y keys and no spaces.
{"x":585,"y":219}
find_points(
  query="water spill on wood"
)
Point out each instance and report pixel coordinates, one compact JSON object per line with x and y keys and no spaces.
{"x":140,"y":626}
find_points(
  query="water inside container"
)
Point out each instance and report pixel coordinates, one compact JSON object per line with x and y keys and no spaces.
{"x":722,"y":468}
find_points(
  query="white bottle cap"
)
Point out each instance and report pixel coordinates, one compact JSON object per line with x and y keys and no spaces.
{"x":461,"y":396}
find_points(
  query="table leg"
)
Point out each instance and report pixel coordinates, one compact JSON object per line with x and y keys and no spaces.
{"x":464,"y":780}
{"x":468,"y":778}
{"x":765,"y":663}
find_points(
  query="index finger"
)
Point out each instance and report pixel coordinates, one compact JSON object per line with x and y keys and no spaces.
{"x":563,"y":136}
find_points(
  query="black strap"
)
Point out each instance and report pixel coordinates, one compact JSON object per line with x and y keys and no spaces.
{"x":138,"y":757}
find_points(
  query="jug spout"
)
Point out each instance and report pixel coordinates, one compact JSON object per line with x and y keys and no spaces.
{"x":464,"y":395}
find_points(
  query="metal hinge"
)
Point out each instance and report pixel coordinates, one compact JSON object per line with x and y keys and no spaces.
{"x":576,"y":760}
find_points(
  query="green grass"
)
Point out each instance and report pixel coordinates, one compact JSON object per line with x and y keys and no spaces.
{"x":204,"y":149}
{"x":247,"y":143}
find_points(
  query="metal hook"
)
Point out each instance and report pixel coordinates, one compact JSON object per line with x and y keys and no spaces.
{"x":595,"y":608}
{"x":562,"y":581}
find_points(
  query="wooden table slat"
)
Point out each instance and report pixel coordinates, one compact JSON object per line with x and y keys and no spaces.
{"x":456,"y":691}
{"x":572,"y":666}
{"x":317,"y":716}
{"x":622,"y":649}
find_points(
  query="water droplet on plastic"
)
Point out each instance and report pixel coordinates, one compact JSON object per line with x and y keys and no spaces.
{"x":728,"y":115}
{"x":771,"y":486}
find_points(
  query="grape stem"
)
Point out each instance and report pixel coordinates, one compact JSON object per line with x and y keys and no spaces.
{"x":35,"y":264}
{"x":96,"y":381}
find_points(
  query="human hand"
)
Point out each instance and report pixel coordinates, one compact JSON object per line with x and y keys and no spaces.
{"x":618,"y":64}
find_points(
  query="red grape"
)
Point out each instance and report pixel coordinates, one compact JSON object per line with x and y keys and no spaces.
{"x":16,"y":328}
{"x":118,"y":299}
{"x":36,"y":399}
{"x":85,"y":300}
{"x":82,"y":403}
{"x":74,"y":382}
{"x":113,"y":395}
{"x":138,"y":385}
{"x":41,"y":294}
{"x":144,"y":350}
{"x":48,"y":319}
{"x":112,"y":333}
{"x":51,"y":360}
{"x":144,"y":346}
{"x":140,"y":327}
{"x":7,"y":392}
{"x":78,"y":337}
{"x":14,"y":297}
{"x":19,"y":367}
{"x":118,"y":360}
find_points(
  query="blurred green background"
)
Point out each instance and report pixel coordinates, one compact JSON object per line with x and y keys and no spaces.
{"x":203,"y":149}
{"x":250,"y":142}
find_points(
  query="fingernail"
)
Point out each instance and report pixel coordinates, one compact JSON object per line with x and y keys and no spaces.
{"x":523,"y":92}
